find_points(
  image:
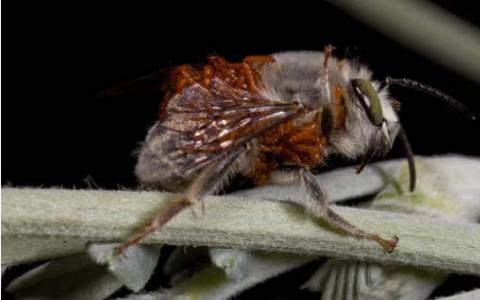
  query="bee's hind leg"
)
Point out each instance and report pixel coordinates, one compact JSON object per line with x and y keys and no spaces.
{"x":205,"y":183}
{"x":317,"y":205}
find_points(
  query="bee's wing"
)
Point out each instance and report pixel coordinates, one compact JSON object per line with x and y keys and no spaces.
{"x":225,"y":119}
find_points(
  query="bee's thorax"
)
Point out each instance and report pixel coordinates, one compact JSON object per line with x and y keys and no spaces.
{"x":298,"y":142}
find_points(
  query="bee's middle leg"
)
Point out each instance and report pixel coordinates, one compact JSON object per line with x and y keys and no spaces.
{"x":317,"y":205}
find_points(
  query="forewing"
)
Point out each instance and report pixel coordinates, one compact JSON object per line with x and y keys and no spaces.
{"x":208,"y":124}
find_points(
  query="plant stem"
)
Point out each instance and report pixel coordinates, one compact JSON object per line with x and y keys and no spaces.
{"x":81,"y":216}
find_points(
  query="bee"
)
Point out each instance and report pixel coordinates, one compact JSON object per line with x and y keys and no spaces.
{"x":282,"y":114}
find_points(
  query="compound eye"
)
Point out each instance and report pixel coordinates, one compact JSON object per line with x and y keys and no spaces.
{"x":368,"y":97}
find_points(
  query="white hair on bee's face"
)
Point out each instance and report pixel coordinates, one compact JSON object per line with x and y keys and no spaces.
{"x":360,"y":134}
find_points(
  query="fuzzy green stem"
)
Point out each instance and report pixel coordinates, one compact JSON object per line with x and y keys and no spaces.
{"x":81,"y":216}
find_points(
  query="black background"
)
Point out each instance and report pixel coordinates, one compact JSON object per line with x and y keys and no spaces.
{"x":57,"y":57}
{"x":58,"y":131}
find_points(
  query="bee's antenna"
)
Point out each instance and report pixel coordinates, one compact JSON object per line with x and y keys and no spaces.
{"x":433,"y":91}
{"x":410,"y":158}
{"x":408,"y":154}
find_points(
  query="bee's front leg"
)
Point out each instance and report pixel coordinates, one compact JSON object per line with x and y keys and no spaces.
{"x":317,"y":205}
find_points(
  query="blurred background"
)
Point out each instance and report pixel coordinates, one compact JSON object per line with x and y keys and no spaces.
{"x":58,"y":57}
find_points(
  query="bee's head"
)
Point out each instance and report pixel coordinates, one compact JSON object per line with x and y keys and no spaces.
{"x":367,"y":96}
{"x":371,"y":123}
